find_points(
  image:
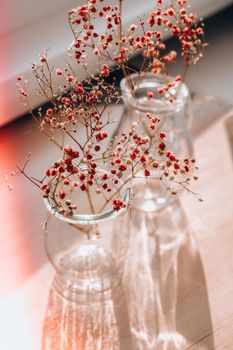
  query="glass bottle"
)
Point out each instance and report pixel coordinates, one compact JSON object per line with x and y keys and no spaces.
{"x":150,"y":193}
{"x":174,"y":116}
{"x":87,"y":251}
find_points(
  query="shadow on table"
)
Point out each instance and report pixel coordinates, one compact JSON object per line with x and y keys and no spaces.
{"x":193,"y":315}
{"x":161,"y":302}
{"x":166,"y":288}
{"x":89,"y":325}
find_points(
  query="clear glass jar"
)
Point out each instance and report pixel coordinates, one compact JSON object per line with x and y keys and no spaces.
{"x":150,"y":193}
{"x":174,"y":116}
{"x":87,"y":251}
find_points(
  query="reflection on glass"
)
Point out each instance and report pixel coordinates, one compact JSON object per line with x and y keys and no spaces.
{"x":159,"y":274}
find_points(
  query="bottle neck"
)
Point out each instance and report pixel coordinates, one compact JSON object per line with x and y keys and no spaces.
{"x":160,"y":104}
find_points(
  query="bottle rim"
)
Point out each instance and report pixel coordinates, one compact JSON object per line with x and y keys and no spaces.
{"x":151,"y":81}
{"x":88,"y":219}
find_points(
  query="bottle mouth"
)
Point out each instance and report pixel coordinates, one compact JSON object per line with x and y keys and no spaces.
{"x":88,"y":219}
{"x":150,"y":82}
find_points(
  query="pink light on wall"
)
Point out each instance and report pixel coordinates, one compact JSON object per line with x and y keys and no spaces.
{"x":2,"y":66}
{"x":15,"y":254}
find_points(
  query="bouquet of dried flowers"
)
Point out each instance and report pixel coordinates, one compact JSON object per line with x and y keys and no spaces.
{"x":78,"y":120}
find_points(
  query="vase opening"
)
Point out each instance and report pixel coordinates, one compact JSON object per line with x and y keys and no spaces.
{"x":159,"y":104}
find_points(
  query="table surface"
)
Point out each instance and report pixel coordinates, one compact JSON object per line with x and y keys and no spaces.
{"x":197,"y":283}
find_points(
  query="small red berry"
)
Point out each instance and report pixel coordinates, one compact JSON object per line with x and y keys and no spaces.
{"x":43,"y":59}
{"x":62,"y":194}
{"x":83,"y":187}
{"x":147,"y":172}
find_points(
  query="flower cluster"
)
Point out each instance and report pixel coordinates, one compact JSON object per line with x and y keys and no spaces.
{"x":112,"y":46}
{"x":92,"y":159}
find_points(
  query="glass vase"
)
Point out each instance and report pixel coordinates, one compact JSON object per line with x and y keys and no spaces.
{"x":150,"y":193}
{"x":87,"y":252}
{"x":174,"y":116}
